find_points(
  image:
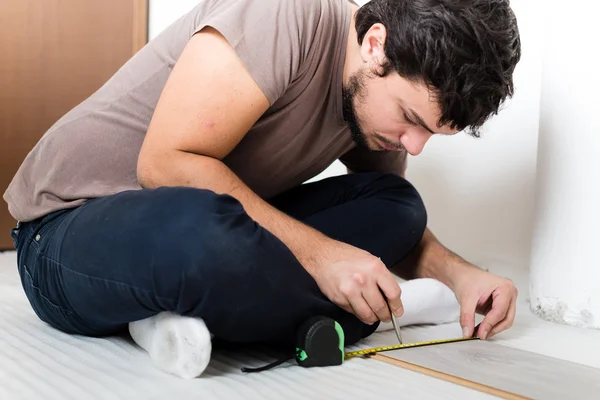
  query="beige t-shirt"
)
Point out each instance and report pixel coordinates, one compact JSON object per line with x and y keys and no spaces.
{"x":294,"y":49}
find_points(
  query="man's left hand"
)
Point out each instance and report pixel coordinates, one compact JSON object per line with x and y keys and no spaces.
{"x":481,"y":292}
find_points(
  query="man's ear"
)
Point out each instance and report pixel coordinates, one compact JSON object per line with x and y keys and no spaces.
{"x":372,"y":49}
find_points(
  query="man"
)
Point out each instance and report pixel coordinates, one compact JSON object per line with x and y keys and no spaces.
{"x":176,"y":189}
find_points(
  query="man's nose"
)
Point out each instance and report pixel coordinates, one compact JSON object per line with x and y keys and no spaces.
{"x":414,"y":140}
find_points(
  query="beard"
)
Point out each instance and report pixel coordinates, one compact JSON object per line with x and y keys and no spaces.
{"x":351,"y":92}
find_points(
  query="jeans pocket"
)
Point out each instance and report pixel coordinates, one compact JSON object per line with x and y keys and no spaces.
{"x":56,"y":316}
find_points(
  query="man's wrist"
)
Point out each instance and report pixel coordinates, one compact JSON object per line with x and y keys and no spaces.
{"x":431,"y":259}
{"x":443,"y":265}
{"x":315,"y":253}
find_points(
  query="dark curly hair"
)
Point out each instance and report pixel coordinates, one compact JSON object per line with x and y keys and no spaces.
{"x":465,"y":51}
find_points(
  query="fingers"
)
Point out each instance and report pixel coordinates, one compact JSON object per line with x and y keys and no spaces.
{"x":507,"y":322}
{"x":500,"y":306}
{"x":362,"y":309}
{"x":390,"y":288}
{"x":368,"y":292}
{"x":467,"y":316}
{"x":346,"y":307}
{"x":377,"y":302}
{"x":369,"y":298}
{"x":352,"y":294}
{"x":372,"y":304}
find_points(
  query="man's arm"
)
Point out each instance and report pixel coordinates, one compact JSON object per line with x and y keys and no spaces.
{"x":476,"y":290}
{"x":430,"y":259}
{"x":197,"y":123}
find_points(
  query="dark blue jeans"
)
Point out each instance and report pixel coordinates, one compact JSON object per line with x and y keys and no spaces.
{"x":125,"y":257}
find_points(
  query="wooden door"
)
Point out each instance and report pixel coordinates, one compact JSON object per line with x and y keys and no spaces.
{"x":53,"y":55}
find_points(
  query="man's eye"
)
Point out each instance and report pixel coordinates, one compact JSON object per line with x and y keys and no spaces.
{"x":409,"y":120}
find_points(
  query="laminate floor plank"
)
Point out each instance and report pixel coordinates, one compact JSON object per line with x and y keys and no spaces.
{"x":518,"y":371}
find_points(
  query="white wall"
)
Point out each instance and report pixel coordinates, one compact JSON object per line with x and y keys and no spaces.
{"x":479,"y":193}
{"x":164,"y":12}
{"x":565,"y":271}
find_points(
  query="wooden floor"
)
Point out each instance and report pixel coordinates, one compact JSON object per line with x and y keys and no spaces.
{"x":512,"y":370}
{"x":535,"y":358}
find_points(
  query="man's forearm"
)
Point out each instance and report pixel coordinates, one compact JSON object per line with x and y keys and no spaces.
{"x":430,"y":259}
{"x":186,"y":169}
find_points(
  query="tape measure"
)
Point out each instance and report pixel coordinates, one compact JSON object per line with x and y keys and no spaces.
{"x":375,"y":350}
{"x":320,"y":343}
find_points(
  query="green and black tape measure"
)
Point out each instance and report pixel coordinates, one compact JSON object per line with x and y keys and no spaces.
{"x":320,"y":343}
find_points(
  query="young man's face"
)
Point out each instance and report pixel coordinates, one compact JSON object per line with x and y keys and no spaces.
{"x":390,"y":113}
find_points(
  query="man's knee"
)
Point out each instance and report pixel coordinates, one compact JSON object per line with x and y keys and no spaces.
{"x":395,"y":189}
{"x":408,"y":197}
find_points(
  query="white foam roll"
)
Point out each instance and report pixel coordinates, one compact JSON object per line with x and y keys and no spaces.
{"x":565,"y":259}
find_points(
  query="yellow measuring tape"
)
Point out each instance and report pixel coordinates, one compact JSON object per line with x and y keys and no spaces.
{"x":375,"y":350}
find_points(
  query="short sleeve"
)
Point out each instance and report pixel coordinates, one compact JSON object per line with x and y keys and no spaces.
{"x":271,"y":37}
{"x":362,"y":160}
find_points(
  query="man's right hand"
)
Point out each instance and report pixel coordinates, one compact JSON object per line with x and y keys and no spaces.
{"x":357,"y":281}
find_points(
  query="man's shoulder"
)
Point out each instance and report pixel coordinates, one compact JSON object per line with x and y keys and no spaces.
{"x":283,"y":10}
{"x":300,"y":5}
{"x":266,"y":6}
{"x":276,"y":39}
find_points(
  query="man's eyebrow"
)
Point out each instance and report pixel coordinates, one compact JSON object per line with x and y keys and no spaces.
{"x":420,"y":121}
